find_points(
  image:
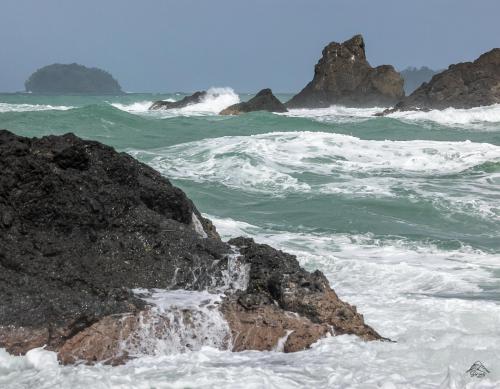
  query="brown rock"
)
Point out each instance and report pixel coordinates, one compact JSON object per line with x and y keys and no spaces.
{"x":195,"y":98}
{"x":19,"y":340}
{"x":463,"y":85}
{"x":262,"y":101}
{"x":344,"y":76}
{"x":265,"y":327}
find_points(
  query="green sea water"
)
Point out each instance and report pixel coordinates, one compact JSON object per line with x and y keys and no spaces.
{"x":402,"y":213}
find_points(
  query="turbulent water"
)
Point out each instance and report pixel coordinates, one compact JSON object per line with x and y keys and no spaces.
{"x":402,"y":214}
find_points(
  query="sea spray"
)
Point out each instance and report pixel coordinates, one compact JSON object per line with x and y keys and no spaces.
{"x":178,"y":321}
{"x":215,"y":101}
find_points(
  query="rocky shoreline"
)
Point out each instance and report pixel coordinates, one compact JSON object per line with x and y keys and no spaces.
{"x":83,"y":227}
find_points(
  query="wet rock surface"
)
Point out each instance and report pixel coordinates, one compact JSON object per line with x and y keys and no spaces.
{"x":343,"y":76}
{"x":463,"y":85}
{"x":276,"y":279}
{"x":82,"y":225}
{"x":262,"y":101}
{"x":195,"y":98}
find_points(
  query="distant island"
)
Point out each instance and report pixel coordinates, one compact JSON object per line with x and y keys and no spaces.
{"x":72,"y":79}
{"x":414,"y":77}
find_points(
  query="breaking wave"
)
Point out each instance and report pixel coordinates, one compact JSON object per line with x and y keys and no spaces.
{"x":6,"y":107}
{"x":215,"y":101}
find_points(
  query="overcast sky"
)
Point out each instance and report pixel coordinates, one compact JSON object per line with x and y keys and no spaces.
{"x":164,"y":45}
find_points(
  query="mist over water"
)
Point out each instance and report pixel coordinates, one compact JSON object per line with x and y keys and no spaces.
{"x":401,"y":213}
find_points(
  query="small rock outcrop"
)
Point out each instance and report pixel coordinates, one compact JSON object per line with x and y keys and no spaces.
{"x":463,"y":85}
{"x":83,"y":228}
{"x":262,"y":101}
{"x":72,"y":79}
{"x":343,"y":76}
{"x":195,"y":98}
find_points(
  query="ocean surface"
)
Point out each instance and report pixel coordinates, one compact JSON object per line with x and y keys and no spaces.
{"x":402,"y":214}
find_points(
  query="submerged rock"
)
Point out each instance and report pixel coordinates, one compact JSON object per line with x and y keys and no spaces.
{"x":344,"y":76}
{"x":262,"y":101}
{"x":195,"y":98}
{"x":72,"y":79}
{"x":82,"y":227}
{"x":463,"y":85}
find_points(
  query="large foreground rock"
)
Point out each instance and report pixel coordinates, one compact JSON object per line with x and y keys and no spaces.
{"x":463,"y":85}
{"x":81,"y":226}
{"x":262,"y":101}
{"x":343,"y":76}
{"x":195,"y":98}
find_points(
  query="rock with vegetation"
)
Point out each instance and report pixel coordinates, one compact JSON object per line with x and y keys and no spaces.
{"x":343,"y":76}
{"x":262,"y":101}
{"x":85,"y":231}
{"x":195,"y":98}
{"x":72,"y":79}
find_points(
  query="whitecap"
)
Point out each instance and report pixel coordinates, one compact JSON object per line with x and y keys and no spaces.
{"x":215,"y":101}
{"x":6,"y":107}
{"x":475,"y":117}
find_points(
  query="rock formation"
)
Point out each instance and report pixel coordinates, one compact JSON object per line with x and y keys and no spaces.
{"x":343,"y":76}
{"x":463,"y":85}
{"x":262,"y":101}
{"x":83,"y":227}
{"x":195,"y":98}
{"x":72,"y":79}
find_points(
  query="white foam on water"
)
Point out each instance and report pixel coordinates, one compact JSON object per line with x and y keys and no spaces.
{"x":215,"y":101}
{"x":453,"y":116}
{"x":335,"y":114}
{"x":477,"y":117}
{"x":137,"y":107}
{"x":278,"y":164}
{"x":6,"y":107}
{"x":281,"y":153}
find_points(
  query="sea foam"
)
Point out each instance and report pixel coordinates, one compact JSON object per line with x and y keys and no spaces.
{"x":477,"y":117}
{"x":6,"y":107}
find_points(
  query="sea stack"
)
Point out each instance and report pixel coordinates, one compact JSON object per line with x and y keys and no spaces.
{"x":343,"y":76}
{"x":72,"y":79}
{"x":87,"y":232}
{"x":262,"y":101}
{"x":462,"y":85}
{"x":195,"y":98}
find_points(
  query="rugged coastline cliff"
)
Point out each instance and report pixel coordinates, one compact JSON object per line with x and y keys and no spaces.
{"x":89,"y":236}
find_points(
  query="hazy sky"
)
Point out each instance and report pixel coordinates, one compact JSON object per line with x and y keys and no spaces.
{"x":163,"y":45}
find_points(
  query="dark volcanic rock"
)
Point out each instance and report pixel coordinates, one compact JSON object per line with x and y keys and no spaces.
{"x":72,"y":79}
{"x":82,"y":225}
{"x":344,"y":76}
{"x":262,"y":101}
{"x":463,"y":85}
{"x":195,"y":98}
